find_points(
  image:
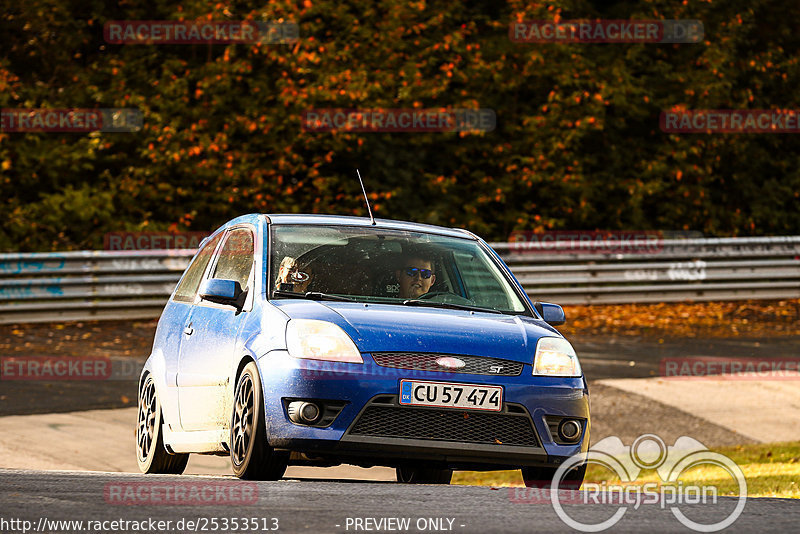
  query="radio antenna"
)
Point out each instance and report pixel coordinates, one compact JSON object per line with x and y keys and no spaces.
{"x":366,"y":199}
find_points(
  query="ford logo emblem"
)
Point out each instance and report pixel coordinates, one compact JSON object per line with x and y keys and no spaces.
{"x":450,"y":363}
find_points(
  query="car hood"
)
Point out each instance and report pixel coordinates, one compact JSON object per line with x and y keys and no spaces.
{"x":391,"y":328}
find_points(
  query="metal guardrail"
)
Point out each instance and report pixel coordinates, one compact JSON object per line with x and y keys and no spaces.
{"x":96,"y":285}
{"x":88,"y":285}
{"x":670,"y":270}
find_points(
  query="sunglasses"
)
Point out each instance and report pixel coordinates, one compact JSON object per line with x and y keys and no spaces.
{"x":423,"y":273}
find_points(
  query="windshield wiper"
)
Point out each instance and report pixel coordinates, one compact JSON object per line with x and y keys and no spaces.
{"x":311,"y":295}
{"x":433,"y":304}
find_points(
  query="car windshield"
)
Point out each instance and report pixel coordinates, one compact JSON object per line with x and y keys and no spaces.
{"x":387,"y":266}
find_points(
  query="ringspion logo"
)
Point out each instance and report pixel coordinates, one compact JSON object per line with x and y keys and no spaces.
{"x":648,"y":452}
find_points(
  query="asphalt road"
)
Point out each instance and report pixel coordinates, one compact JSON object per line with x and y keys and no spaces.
{"x":632,"y":357}
{"x":317,"y":506}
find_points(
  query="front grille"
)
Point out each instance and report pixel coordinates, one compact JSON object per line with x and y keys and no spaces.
{"x":446,"y":425}
{"x":426,"y":361}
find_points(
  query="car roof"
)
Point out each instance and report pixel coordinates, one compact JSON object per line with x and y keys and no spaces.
{"x":338,"y":220}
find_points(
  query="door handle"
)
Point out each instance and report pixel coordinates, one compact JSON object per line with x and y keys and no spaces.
{"x":188,"y":330}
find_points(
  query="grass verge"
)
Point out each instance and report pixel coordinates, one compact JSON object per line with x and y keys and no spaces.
{"x":771,"y":470}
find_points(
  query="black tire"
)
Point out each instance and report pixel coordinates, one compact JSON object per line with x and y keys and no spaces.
{"x":422,"y":475}
{"x":542,"y":477}
{"x":251,"y":456}
{"x":151,"y":454}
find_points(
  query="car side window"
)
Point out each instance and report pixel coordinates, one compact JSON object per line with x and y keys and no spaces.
{"x":482,"y":284}
{"x":236,"y":257}
{"x":191,"y":281}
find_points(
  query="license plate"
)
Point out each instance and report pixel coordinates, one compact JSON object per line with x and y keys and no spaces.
{"x":450,"y":395}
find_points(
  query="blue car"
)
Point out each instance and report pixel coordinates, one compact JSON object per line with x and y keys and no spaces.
{"x":321,"y":340}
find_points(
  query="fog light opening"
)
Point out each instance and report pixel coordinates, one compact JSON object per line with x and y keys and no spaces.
{"x":569,"y":430}
{"x":303,"y":413}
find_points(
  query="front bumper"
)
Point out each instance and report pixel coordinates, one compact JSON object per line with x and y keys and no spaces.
{"x":362,"y":385}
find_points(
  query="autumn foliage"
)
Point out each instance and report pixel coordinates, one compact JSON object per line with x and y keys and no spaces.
{"x":577,"y":143}
{"x":745,"y":319}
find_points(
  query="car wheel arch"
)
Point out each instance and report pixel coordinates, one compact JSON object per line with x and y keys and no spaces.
{"x":243,"y":361}
{"x":142,"y":379}
{"x":240,"y":365}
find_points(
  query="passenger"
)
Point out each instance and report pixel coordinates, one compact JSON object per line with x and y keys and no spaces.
{"x":416,"y":277}
{"x":292,"y":276}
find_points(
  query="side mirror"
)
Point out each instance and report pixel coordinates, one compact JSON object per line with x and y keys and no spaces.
{"x":553,"y":314}
{"x":228,"y":292}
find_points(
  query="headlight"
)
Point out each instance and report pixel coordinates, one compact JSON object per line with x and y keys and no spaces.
{"x":555,"y":357}
{"x":320,"y":340}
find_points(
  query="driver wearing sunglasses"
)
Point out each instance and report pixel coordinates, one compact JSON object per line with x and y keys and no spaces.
{"x":415,"y":278}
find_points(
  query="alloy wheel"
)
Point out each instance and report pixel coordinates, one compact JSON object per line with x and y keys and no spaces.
{"x":145,"y":428}
{"x":243,"y":421}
